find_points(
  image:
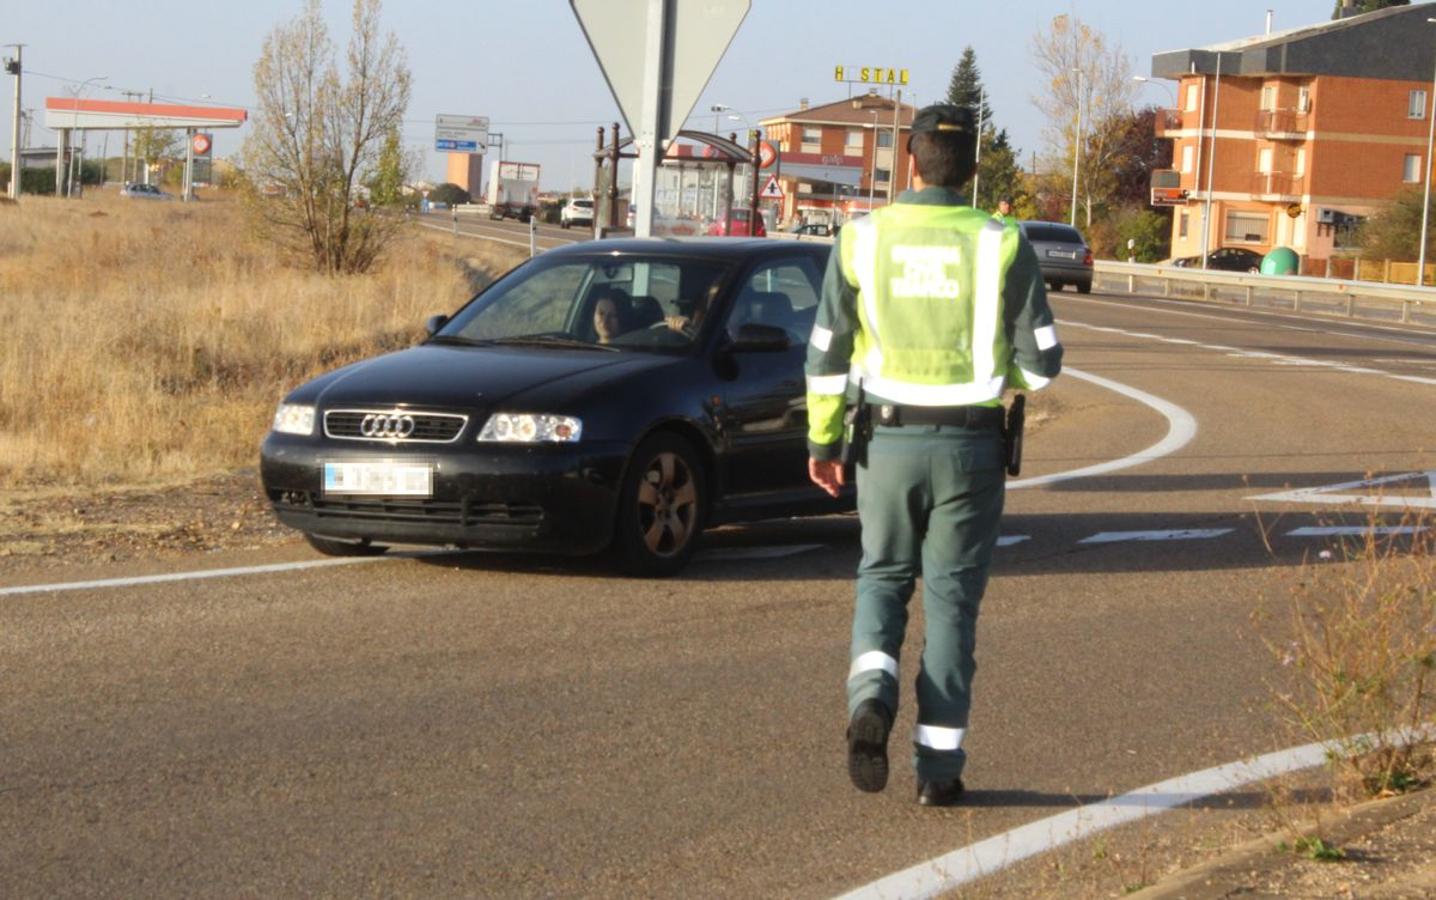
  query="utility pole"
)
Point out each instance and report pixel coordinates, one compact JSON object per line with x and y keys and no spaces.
{"x":125,"y":175}
{"x":15,"y":67}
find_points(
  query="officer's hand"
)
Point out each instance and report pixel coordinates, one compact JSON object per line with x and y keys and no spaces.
{"x":827,"y":474}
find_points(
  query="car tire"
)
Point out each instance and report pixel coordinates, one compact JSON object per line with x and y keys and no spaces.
{"x":661,"y":507}
{"x":1084,"y":287}
{"x":334,"y":547}
{"x":563,"y":223}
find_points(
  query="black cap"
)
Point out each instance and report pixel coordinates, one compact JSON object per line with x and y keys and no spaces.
{"x":943,"y":117}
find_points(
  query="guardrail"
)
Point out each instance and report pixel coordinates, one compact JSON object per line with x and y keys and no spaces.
{"x":1353,"y":299}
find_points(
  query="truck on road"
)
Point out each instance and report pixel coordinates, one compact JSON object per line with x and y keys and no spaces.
{"x":513,"y":190}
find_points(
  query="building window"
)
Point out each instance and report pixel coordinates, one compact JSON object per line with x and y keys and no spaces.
{"x":885,"y":138}
{"x":1264,"y":160}
{"x":1411,"y":168}
{"x":1187,"y":153}
{"x":1248,"y":228}
{"x":1191,"y":98}
{"x":1303,"y":99}
{"x":881,"y":176}
{"x":1182,"y":224}
{"x":1416,"y":105}
{"x":854,"y":139}
{"x":1300,"y":162}
{"x":1268,"y":97}
{"x":812,"y":140}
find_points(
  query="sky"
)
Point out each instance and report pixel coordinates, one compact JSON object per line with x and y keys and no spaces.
{"x":525,"y":63}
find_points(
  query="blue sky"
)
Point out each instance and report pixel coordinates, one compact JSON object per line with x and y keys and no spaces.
{"x":525,"y":64}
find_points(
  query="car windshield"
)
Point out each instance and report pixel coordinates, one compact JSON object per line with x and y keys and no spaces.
{"x":1043,"y":231}
{"x":583,"y":204}
{"x":609,"y":302}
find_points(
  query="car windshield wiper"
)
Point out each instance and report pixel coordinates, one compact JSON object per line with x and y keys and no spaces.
{"x":550,"y":340}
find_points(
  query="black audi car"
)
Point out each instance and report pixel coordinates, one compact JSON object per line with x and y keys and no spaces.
{"x":614,"y":396}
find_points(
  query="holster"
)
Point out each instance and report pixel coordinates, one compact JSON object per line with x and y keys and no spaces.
{"x":857,"y":430}
{"x":1012,"y":434}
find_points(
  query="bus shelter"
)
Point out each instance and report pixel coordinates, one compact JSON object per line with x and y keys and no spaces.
{"x":699,"y":183}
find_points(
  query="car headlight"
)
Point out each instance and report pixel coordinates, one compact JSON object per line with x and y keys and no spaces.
{"x":531,"y":428}
{"x":294,"y":418}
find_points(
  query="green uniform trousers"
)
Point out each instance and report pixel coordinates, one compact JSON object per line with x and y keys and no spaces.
{"x":929,"y":498}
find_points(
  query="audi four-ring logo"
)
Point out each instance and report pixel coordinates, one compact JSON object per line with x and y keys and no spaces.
{"x":386,"y":426}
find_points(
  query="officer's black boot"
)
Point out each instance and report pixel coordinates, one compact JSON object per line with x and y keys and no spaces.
{"x":939,"y":793}
{"x":868,"y":746}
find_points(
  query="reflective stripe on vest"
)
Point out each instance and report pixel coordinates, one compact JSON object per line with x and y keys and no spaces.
{"x":930,"y":285}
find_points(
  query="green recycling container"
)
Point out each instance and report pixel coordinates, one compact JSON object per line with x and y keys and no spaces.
{"x":1281,"y":261}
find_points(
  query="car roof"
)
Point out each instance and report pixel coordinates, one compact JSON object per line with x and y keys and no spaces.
{"x":727,"y":248}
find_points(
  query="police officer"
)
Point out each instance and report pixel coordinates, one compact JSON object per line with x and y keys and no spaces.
{"x":930,"y":309}
{"x":1004,"y":211}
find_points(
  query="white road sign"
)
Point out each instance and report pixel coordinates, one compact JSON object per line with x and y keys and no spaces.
{"x":771,"y":191}
{"x":461,"y":134}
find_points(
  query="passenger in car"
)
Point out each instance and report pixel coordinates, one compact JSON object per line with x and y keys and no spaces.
{"x":610,"y":315}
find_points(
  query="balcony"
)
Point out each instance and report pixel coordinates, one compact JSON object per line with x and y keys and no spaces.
{"x":1168,"y":121}
{"x":1282,"y":124}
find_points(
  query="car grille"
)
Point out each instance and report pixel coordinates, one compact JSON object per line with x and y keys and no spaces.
{"x":429,"y":428}
{"x":385,"y":509}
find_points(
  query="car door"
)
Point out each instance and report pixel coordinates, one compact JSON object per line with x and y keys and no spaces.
{"x":763,"y":393}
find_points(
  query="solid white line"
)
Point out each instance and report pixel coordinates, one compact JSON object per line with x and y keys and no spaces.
{"x":772,"y":552}
{"x":1007,"y":540}
{"x":989,"y":856}
{"x":1185,"y":534}
{"x":188,"y":576}
{"x":1181,"y":428}
{"x":1355,"y":531}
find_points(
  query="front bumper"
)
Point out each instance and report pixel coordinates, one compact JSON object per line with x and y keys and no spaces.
{"x":545,"y":498}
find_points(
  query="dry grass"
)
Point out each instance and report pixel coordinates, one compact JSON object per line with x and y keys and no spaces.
{"x":144,"y":342}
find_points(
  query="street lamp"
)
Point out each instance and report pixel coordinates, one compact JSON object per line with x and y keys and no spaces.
{"x":1143,"y":79}
{"x":1426,"y":202}
{"x":74,"y":119}
{"x":1076,"y":150}
{"x":715,"y":109}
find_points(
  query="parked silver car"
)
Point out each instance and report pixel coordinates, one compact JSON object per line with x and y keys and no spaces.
{"x":143,"y":191}
{"x":1062,"y":254}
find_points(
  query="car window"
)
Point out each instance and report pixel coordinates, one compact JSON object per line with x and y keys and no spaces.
{"x":783,"y":294}
{"x":660,"y":303}
{"x":1048,"y":231}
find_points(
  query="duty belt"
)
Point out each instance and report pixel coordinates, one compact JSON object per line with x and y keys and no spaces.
{"x":963,"y":416}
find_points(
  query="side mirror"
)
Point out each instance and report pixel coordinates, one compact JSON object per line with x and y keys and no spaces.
{"x":434,"y":323}
{"x":753,"y":337}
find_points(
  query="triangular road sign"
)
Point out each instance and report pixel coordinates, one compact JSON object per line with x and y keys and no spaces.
{"x":1340,"y":494}
{"x":771,"y":191}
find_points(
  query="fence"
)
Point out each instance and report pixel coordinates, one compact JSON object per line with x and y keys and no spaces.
{"x":1336,"y":297}
{"x":1385,"y":271}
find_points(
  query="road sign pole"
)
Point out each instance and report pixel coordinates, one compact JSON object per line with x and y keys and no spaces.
{"x":645,"y":170}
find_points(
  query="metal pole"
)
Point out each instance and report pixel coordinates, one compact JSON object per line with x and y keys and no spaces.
{"x":977,"y":157}
{"x":1076,"y":150}
{"x":873,"y":165}
{"x":597,"y":180}
{"x":613,"y":180}
{"x":15,"y":67}
{"x":60,"y":161}
{"x":651,"y":126}
{"x":533,"y":234}
{"x":187,"y":194}
{"x":1426,"y":202}
{"x":1211,"y":164}
{"x":893,"y":166}
{"x":756,"y":138}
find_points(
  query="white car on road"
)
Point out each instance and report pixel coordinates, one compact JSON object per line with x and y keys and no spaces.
{"x":578,"y":210}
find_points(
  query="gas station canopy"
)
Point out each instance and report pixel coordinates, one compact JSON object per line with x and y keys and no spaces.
{"x":73,"y":112}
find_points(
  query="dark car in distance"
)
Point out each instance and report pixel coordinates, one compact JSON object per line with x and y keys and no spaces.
{"x":613,"y":396}
{"x":1226,"y":259}
{"x":1062,"y":255}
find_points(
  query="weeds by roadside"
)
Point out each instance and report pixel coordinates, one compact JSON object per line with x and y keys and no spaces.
{"x":151,"y":341}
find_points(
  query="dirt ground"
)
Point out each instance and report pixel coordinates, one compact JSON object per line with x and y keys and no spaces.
{"x":1241,"y":846}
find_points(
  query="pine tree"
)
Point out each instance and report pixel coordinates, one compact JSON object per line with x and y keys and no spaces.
{"x":965,"y":88}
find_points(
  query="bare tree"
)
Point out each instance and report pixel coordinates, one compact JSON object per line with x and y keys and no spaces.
{"x":1105,"y":91}
{"x":317,"y":138}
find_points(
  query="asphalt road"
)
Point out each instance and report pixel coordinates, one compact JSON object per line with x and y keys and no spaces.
{"x":486,"y":725}
{"x":504,"y":231}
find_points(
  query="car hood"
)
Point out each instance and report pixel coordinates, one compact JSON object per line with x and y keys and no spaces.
{"x":468,"y":377}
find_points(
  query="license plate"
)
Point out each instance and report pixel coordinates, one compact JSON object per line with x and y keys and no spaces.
{"x":1063,"y":254}
{"x":388,"y":479}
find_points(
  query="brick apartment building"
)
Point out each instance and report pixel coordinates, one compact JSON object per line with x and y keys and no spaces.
{"x":841,"y":157}
{"x":1314,"y":129}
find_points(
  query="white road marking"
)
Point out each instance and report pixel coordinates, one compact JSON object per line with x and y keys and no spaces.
{"x":967,"y":864}
{"x":1007,"y":540}
{"x":189,"y":576}
{"x":1183,"y":534}
{"x":1356,"y":531}
{"x":1279,"y":358}
{"x":1181,"y":428}
{"x":1332,"y":494}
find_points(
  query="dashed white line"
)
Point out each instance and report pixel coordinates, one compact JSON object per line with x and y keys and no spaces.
{"x":1181,"y":534}
{"x":1356,"y":530}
